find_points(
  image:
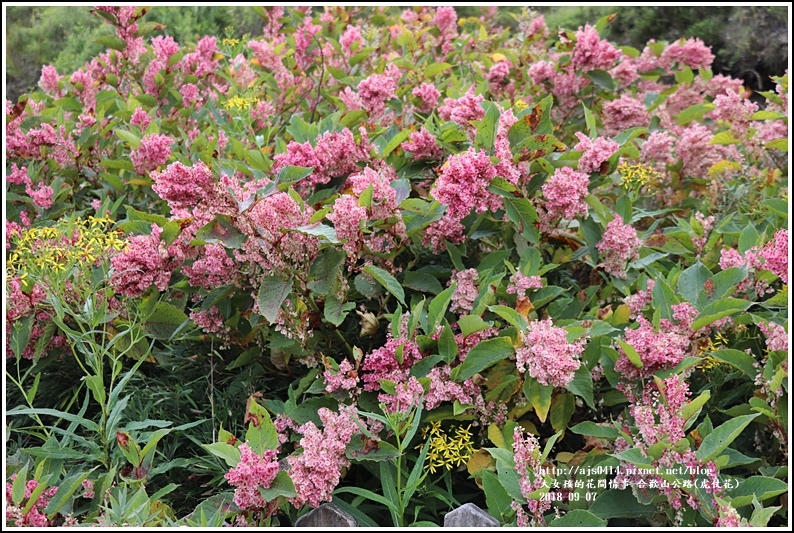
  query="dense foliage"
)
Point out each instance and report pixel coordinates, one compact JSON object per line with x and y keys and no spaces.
{"x":399,"y":261}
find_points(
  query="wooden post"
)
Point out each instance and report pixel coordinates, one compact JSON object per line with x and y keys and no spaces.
{"x":469,"y":515}
{"x":326,"y":515}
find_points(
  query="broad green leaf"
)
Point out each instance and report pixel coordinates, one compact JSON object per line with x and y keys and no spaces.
{"x":221,"y":229}
{"x":20,"y":335}
{"x":694,"y":407}
{"x":321,"y":231}
{"x":261,"y":434}
{"x":719,"y":309}
{"x":388,"y":281}
{"x":272,"y":293}
{"x":693,"y":112}
{"x":483,"y":356}
{"x":562,"y":408}
{"x":447,"y":346}
{"x":164,"y":321}
{"x":724,"y":137}
{"x":594,"y":430}
{"x":760,"y":487}
{"x":601,"y":78}
{"x":19,"y":485}
{"x":486,"y":128}
{"x":112,"y":41}
{"x":324,"y":270}
{"x":133,"y":140}
{"x":664,"y":298}
{"x":511,"y":316}
{"x":225,"y":451}
{"x":539,"y":397}
{"x":691,"y":281}
{"x":471,"y":324}
{"x":582,"y":385}
{"x":335,"y":310}
{"x":615,"y":503}
{"x":578,"y":518}
{"x":739,"y":359}
{"x":281,"y":486}
{"x":722,"y":437}
{"x":422,"y":281}
{"x":436,"y":68}
{"x":631,"y":353}
{"x":291,"y":174}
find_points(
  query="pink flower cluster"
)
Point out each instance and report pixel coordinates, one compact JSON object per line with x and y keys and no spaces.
{"x":776,"y":336}
{"x":422,"y":144}
{"x":618,"y":244}
{"x":519,"y":284}
{"x":374,"y":91}
{"x":154,"y":150}
{"x":691,"y":52}
{"x":590,"y":52}
{"x":183,"y":187}
{"x":526,"y":453}
{"x":443,"y":389}
{"x":383,"y":363}
{"x":428,"y":94}
{"x":35,"y":517}
{"x":596,"y":152}
{"x":466,"y":290}
{"x":775,"y":255}
{"x":344,"y":379}
{"x":657,"y":349}
{"x":316,"y":472}
{"x":463,"y":110}
{"x":463,"y":184}
{"x":146,"y":262}
{"x":253,"y":472}
{"x":547,"y":355}
{"x":624,"y":113}
{"x":407,"y":396}
{"x":335,"y":154}
{"x":565,"y":192}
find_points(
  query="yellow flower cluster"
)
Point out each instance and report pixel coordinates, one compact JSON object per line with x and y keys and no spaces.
{"x":239,"y":102}
{"x":56,"y":248}
{"x":708,"y":362}
{"x":638,"y":174}
{"x":230,"y":42}
{"x":446,"y":451}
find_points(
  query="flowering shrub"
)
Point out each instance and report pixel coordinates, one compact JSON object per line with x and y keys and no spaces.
{"x":578,"y":250}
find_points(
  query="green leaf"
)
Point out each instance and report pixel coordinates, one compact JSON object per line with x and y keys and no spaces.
{"x":482,"y":356}
{"x":760,"y":487}
{"x":164,"y":321}
{"x":614,"y":503}
{"x":539,"y":396}
{"x":764,"y":114}
{"x":722,"y":437}
{"x":225,"y":451}
{"x":130,"y":138}
{"x":778,"y":144}
{"x":447,"y":347}
{"x":88,"y":424}
{"x":723,"y":138}
{"x":693,"y":408}
{"x":694,"y":112}
{"x":272,"y":293}
{"x":335,"y":310}
{"x":592,"y":129}
{"x":663,"y":298}
{"x":471,"y":324}
{"x":384,"y":451}
{"x":582,"y":385}
{"x":261,"y":434}
{"x":496,"y":497}
{"x":221,"y":229}
{"x":738,"y":359}
{"x":321,"y":231}
{"x":20,"y":335}
{"x":511,"y":316}
{"x":691,"y":281}
{"x":748,"y":238}
{"x":18,"y":488}
{"x":291,"y":174}
{"x":394,"y":142}
{"x":631,"y":353}
{"x":112,"y":41}
{"x":602,"y":78}
{"x":324,"y":270}
{"x":521,"y":213}
{"x":718,"y":310}
{"x":368,"y":494}
{"x":436,"y":68}
{"x":578,"y":518}
{"x":592,"y":429}
{"x":486,"y":128}
{"x":281,"y":486}
{"x":437,"y":308}
{"x":422,"y":281}
{"x":562,"y":408}
{"x":388,"y":281}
